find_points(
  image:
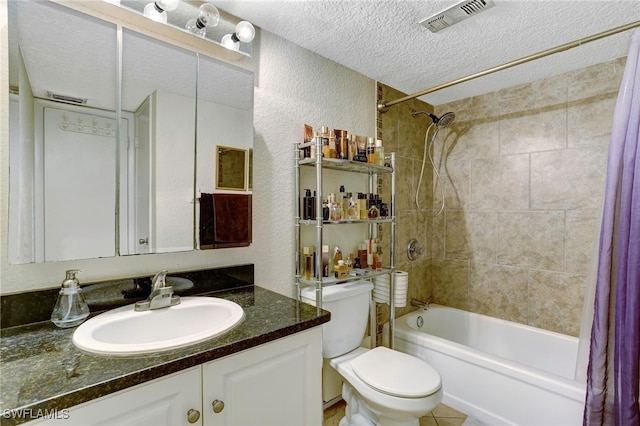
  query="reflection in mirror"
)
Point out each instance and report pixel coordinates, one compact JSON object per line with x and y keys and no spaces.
{"x":96,"y":171}
{"x":159,"y":90}
{"x":225,"y":118}
{"x":62,"y":154}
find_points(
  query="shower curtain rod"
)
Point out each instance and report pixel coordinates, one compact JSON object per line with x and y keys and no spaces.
{"x":384,"y":107}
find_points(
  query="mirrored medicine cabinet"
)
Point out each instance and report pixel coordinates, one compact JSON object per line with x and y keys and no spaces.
{"x":114,"y":136}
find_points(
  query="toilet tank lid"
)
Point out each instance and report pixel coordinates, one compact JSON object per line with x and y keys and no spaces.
{"x":337,"y":291}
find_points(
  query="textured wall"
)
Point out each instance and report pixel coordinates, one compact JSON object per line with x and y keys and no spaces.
{"x":523,"y":178}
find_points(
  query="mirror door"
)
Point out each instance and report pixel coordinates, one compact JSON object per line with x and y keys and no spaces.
{"x":62,"y":106}
{"x":159,"y":93}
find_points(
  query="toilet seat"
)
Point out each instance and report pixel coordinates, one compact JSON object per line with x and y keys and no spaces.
{"x":395,"y":373}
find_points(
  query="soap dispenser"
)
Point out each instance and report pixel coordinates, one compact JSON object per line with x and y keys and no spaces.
{"x":70,"y":309}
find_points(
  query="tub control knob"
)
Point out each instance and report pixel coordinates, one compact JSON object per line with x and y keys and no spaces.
{"x":193,"y":415}
{"x":414,"y":249}
{"x":217,"y":405}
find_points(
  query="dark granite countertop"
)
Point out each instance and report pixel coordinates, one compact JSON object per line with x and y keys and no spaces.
{"x":41,"y":369}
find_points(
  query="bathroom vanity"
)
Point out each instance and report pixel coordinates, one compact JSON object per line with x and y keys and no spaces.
{"x":267,"y":370}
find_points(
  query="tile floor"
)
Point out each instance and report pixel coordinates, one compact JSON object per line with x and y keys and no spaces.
{"x":442,"y":415}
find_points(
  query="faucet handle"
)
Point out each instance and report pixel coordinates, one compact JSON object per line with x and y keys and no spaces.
{"x":159,"y":280}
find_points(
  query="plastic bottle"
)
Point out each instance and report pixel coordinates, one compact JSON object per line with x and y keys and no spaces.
{"x":379,"y":152}
{"x":371,"y":151}
{"x":70,"y":309}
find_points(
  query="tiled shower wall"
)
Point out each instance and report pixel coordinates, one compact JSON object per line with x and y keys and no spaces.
{"x":523,"y":173}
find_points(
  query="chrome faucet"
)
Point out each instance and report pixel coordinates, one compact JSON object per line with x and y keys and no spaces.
{"x":161,"y":295}
{"x":419,"y":304}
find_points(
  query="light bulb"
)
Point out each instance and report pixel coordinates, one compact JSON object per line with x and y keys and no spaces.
{"x":245,"y":32}
{"x":167,"y":5}
{"x":228,"y":42}
{"x":208,"y":16}
{"x":157,"y":11}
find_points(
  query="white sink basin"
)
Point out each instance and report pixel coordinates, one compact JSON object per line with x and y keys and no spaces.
{"x":123,"y":331}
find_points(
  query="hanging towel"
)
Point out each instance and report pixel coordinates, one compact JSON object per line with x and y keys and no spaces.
{"x":225,"y":220}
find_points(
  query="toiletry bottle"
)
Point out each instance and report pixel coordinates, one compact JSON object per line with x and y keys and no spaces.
{"x":335,"y":208}
{"x":314,"y":147}
{"x":353,"y":147}
{"x":362,"y":254}
{"x":363,"y":209}
{"x":325,"y":261}
{"x":325,"y":142}
{"x":337,"y":257}
{"x":379,"y":152}
{"x":325,"y":210}
{"x":70,"y":309}
{"x":370,"y":248}
{"x":309,"y":264}
{"x":371,"y":151}
{"x":342,"y":145}
{"x":373,"y":212}
{"x":306,"y":200}
{"x":308,"y":137}
{"x":332,"y":144}
{"x":352,"y":209}
{"x":341,"y":269}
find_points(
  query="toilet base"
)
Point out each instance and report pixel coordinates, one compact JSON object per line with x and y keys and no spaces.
{"x":358,"y":413}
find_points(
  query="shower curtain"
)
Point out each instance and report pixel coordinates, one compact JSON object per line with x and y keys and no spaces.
{"x":613,"y":372}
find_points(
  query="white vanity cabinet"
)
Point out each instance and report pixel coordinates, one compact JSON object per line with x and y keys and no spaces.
{"x":160,"y":402}
{"x":277,"y":383}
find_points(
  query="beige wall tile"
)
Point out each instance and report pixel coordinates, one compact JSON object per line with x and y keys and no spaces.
{"x":589,"y":121}
{"x":450,"y":282}
{"x":555,"y":301}
{"x":471,"y":235}
{"x":568,"y":179}
{"x":499,"y":291}
{"x":467,"y":140}
{"x":581,"y":234}
{"x":500,"y":183}
{"x":534,"y":130}
{"x":531,"y":239}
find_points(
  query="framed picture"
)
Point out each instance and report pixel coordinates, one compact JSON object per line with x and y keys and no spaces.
{"x":231,"y":168}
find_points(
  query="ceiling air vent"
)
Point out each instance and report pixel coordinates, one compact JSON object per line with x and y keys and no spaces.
{"x":66,"y":98}
{"x":456,"y":13}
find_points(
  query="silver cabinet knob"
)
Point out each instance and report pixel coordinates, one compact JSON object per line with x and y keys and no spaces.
{"x":217,"y":405}
{"x":193,"y":415}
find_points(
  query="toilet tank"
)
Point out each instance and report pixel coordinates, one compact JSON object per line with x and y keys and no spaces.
{"x":349,"y":307}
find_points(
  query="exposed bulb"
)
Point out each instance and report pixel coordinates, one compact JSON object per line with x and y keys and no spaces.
{"x":208,"y":16}
{"x":228,"y":42}
{"x":157,"y":11}
{"x":245,"y":32}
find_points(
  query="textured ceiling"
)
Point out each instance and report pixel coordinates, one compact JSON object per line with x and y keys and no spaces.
{"x":383,"y":40}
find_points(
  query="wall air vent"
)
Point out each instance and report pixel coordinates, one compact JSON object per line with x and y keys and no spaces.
{"x":66,"y":98}
{"x":456,"y":13}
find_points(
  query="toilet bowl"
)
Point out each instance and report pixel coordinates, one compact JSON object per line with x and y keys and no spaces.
{"x":381,"y":386}
{"x":386,"y":387}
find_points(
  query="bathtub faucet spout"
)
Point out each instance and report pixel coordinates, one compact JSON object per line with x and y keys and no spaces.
{"x":419,"y":304}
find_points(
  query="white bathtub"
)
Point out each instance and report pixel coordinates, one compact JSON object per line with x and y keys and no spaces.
{"x":497,"y":371}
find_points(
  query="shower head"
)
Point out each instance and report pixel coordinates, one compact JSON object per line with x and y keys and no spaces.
{"x":443,"y":121}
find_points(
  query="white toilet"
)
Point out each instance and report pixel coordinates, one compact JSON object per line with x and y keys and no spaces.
{"x":381,"y":386}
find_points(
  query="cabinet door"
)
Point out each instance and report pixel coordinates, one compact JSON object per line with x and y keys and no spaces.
{"x":278,"y":383}
{"x":164,"y":401}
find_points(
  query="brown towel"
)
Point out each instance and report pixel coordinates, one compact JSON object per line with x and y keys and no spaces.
{"x":225,"y":220}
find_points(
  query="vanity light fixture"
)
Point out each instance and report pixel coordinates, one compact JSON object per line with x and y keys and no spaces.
{"x":157,"y":10}
{"x":208,"y":16}
{"x":245,"y":32}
